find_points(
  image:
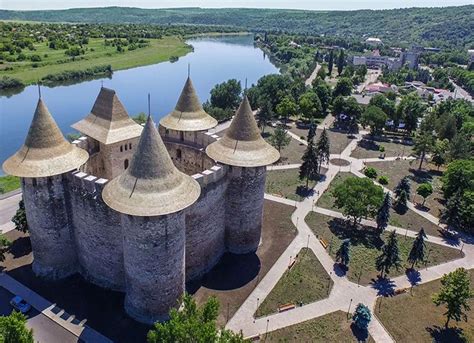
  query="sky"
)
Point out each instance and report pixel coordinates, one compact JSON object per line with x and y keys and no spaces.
{"x":296,"y":4}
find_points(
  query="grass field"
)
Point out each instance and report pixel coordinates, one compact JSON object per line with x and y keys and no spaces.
{"x":366,"y":245}
{"x":9,"y":183}
{"x":370,"y":149}
{"x":338,"y":141}
{"x":409,"y":220}
{"x":159,"y":50}
{"x":332,"y":327}
{"x":286,"y":183}
{"x":292,"y":153}
{"x":305,"y":283}
{"x":423,"y":322}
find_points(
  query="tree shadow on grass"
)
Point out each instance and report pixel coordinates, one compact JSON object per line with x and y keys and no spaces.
{"x":368,"y":145}
{"x":413,"y":276}
{"x":304,"y":191}
{"x":362,"y":235}
{"x":340,"y":269}
{"x":361,"y":335}
{"x":441,"y":334}
{"x":20,"y":247}
{"x":384,"y":286}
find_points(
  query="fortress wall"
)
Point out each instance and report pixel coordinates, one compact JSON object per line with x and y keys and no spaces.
{"x":154,"y":265}
{"x":97,"y":232}
{"x":189,"y":160}
{"x":194,"y":138}
{"x":205,"y":223}
{"x":48,"y":215}
{"x":244,"y":208}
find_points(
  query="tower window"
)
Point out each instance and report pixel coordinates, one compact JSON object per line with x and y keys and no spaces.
{"x":126,"y":147}
{"x":121,"y":148}
{"x":178,"y":153}
{"x":130,"y":146}
{"x":181,"y":135}
{"x":125,"y":164}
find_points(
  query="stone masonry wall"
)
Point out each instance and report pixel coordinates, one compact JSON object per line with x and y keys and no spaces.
{"x":244,"y":209}
{"x":98,"y":233}
{"x":47,"y":212}
{"x":154,"y":265}
{"x":205,"y":223}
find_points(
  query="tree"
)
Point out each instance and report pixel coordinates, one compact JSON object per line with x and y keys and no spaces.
{"x":309,"y":167}
{"x":323,"y":91}
{"x":386,"y":105}
{"x":19,"y":219}
{"x":459,"y":211}
{"x":140,"y":118}
{"x":417,"y":252}
{"x":330,"y":62}
{"x":13,"y":329}
{"x":264,"y":115}
{"x":390,"y":256}
{"x":455,"y":294}
{"x":410,"y":110}
{"x":226,"y":94}
{"x":192,"y":324}
{"x":460,"y":147}
{"x":383,"y":214}
{"x":340,"y":62}
{"x":310,"y":105}
{"x":424,"y":190}
{"x":362,"y":317}
{"x":358,"y":197}
{"x":311,"y":131}
{"x":423,"y":144}
{"x":343,"y":87}
{"x":286,"y":108}
{"x":375,"y":118}
{"x":343,"y":253}
{"x":322,"y":148}
{"x":279,"y":139}
{"x":370,"y":172}
{"x":272,"y":88}
{"x":403,"y":185}
{"x":4,"y":246}
{"x":401,"y":203}
{"x":439,"y":152}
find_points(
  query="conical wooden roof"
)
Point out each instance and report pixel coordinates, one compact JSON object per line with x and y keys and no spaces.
{"x":152,"y":185}
{"x":242,"y":144}
{"x":188,"y":114}
{"x":45,"y":152}
{"x":108,"y":121}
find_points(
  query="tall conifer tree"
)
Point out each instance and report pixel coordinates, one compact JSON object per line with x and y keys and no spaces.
{"x":417,"y":252}
{"x":390,"y":256}
{"x":383,"y":215}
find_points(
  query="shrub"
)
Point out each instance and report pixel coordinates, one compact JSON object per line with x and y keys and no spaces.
{"x":383,"y":180}
{"x":362,"y":317}
{"x":370,"y":172}
{"x":381,"y":148}
{"x":9,"y":82}
{"x":35,"y":58}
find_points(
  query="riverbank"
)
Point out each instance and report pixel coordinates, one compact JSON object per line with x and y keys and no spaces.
{"x":159,"y":50}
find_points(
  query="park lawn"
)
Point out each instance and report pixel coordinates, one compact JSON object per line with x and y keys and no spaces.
{"x":366,"y":244}
{"x":409,"y":220}
{"x":396,"y":170}
{"x":305,"y":282}
{"x":332,"y":327}
{"x":292,"y":153}
{"x":159,"y":50}
{"x":286,"y":183}
{"x":338,"y":141}
{"x":9,"y":183}
{"x":424,"y":321}
{"x":370,"y":149}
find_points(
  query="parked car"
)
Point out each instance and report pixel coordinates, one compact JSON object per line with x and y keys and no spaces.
{"x":20,"y":304}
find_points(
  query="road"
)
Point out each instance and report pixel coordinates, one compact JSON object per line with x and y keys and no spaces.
{"x":371,"y":77}
{"x":44,"y":329}
{"x":8,"y":208}
{"x":460,"y":93}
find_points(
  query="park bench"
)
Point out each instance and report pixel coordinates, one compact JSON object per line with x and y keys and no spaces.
{"x":323,"y":243}
{"x":286,"y":307}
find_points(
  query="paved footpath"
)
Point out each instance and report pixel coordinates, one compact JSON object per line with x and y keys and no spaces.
{"x":344,"y":295}
{"x":8,"y":207}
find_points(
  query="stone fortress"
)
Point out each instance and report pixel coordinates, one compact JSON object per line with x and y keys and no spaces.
{"x":142,"y":210}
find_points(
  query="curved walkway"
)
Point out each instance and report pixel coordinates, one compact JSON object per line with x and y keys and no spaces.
{"x":344,"y":295}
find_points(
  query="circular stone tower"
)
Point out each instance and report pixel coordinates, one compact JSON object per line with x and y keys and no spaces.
{"x":204,"y":233}
{"x":42,"y":164}
{"x":151,"y":195}
{"x":246,"y":152}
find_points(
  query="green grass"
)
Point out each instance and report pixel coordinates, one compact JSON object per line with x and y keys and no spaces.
{"x":332,"y":327}
{"x":9,"y":183}
{"x":286,"y":183}
{"x":305,"y":283}
{"x":366,"y":245}
{"x":159,"y":50}
{"x":423,"y":322}
{"x":370,"y":149}
{"x":409,"y":220}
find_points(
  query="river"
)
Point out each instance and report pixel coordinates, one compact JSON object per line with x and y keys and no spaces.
{"x":214,"y":60}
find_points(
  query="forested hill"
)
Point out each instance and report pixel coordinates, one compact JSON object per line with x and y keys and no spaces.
{"x":441,"y":27}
